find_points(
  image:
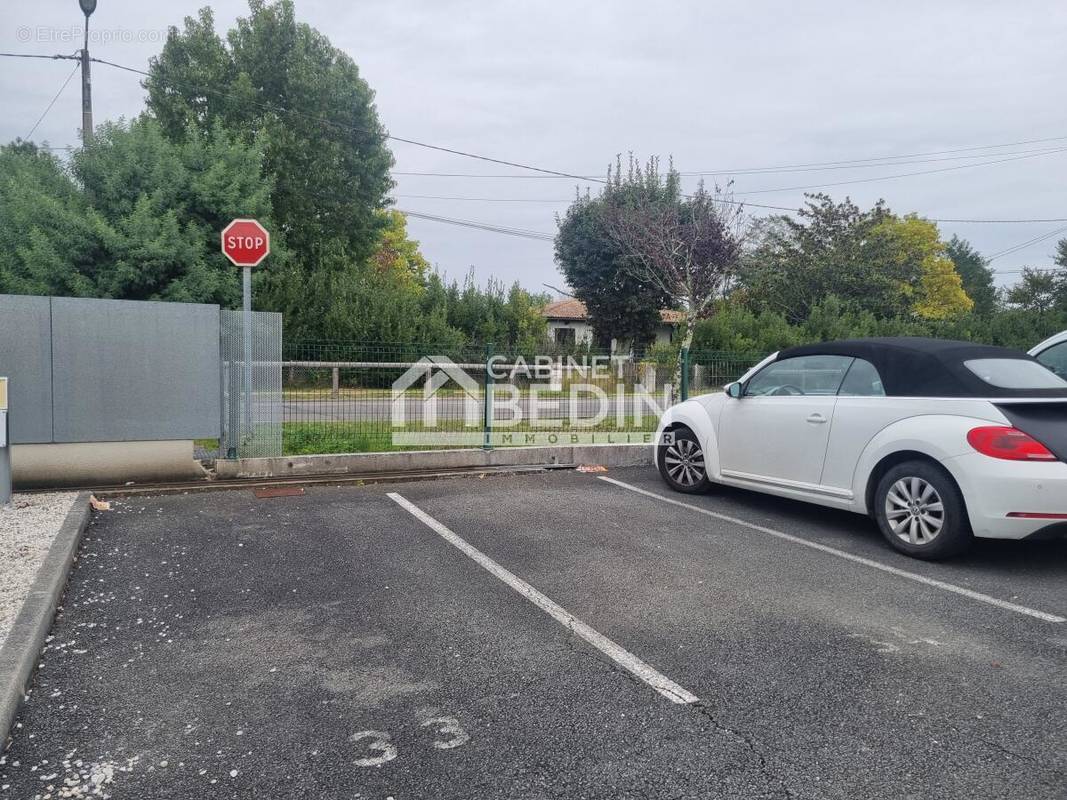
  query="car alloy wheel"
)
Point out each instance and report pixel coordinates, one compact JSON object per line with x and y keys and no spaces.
{"x":915,"y":511}
{"x":920,"y":510}
{"x":684,"y":462}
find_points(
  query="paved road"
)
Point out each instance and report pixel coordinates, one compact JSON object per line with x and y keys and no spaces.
{"x":453,"y":408}
{"x":337,"y":646}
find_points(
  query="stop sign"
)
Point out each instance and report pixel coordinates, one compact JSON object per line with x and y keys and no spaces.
{"x":245,"y":242}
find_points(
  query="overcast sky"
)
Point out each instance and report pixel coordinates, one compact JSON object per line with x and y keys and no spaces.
{"x":720,"y":86}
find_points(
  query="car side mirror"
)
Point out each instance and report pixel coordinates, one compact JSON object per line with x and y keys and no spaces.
{"x":734,"y":389}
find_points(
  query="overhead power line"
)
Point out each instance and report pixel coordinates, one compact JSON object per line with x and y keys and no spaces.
{"x":485,"y":199}
{"x":887,"y":158}
{"x":391,"y":137}
{"x":1000,"y":221}
{"x":1028,"y":243}
{"x":563,"y":201}
{"x":56,"y":57}
{"x":571,"y":175}
{"x":484,"y":226}
{"x":545,"y":172}
{"x":416,"y":143}
{"x":48,"y":108}
{"x":873,"y":163}
{"x":902,"y":174}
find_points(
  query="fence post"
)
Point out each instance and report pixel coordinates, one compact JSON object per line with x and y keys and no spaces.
{"x":233,"y":405}
{"x":487,"y":394}
{"x":684,"y":389}
{"x":223,"y":435}
{"x":336,"y":382}
{"x":5,"y":446}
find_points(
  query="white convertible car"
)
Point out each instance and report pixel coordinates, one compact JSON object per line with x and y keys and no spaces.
{"x":1053,"y":353}
{"x":938,"y":441}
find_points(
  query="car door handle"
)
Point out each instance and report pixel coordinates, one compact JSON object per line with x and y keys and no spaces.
{"x":816,"y":419}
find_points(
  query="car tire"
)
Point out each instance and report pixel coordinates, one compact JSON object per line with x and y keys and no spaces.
{"x":920,"y":511}
{"x":681,"y":463}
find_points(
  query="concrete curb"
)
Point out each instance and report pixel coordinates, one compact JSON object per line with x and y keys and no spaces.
{"x":610,"y":455}
{"x":18,"y":656}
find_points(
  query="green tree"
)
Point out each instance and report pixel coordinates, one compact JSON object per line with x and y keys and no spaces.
{"x":911,"y":248}
{"x":397,"y":253}
{"x":280,"y":82}
{"x":1035,"y":291}
{"x":870,"y":260}
{"x":506,"y":317}
{"x":1060,"y":260}
{"x":51,"y":241}
{"x":795,"y":263}
{"x":620,"y":304}
{"x":736,"y":328}
{"x":686,"y":246}
{"x":976,"y":274}
{"x":136,"y":216}
{"x":165,"y":203}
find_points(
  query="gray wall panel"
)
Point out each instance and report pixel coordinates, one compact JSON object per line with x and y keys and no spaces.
{"x":125,"y":370}
{"x":26,"y":358}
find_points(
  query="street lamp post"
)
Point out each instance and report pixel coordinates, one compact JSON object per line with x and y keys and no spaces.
{"x":87,"y":7}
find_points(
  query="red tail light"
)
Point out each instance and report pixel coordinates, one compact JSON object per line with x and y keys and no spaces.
{"x":1008,"y":443}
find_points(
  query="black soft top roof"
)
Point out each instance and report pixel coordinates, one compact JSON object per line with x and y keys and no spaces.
{"x":912,"y":366}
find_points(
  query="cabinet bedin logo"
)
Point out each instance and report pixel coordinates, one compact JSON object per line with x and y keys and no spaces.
{"x":499,"y":413}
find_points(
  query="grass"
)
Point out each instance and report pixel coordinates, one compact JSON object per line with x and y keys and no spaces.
{"x":376,"y":436}
{"x":321,"y":438}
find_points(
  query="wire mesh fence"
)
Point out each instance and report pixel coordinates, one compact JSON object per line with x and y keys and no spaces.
{"x":710,"y":370}
{"x":351,"y":397}
{"x":252,"y":420}
{"x":356,"y":397}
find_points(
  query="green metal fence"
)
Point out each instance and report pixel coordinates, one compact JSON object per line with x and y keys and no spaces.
{"x":373,"y":397}
{"x":710,"y":370}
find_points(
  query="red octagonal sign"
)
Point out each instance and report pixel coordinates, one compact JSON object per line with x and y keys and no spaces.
{"x":245,"y":242}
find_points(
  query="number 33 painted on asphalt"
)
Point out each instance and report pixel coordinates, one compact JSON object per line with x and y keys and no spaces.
{"x":381,"y":743}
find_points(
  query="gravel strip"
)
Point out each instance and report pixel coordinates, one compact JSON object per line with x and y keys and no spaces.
{"x":27,"y":529}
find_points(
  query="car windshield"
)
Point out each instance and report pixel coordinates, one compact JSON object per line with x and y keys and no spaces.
{"x":1014,"y":373}
{"x":805,"y":375}
{"x":1055,"y":358}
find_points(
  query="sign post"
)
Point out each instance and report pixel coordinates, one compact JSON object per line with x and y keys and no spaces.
{"x":246,"y":243}
{"x":5,"y":447}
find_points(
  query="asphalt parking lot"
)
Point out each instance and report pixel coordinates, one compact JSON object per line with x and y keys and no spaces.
{"x":540,"y":636}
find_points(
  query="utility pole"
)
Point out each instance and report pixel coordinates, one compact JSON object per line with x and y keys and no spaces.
{"x":88,"y":7}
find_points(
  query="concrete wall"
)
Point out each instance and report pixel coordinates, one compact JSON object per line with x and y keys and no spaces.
{"x":620,"y":455}
{"x":583,"y":331}
{"x":39,"y":466}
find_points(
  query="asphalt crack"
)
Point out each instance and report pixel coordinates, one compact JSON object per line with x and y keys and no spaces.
{"x":704,"y":710}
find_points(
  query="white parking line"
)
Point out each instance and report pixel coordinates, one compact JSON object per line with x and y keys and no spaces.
{"x":867,"y":562}
{"x":624,"y":658}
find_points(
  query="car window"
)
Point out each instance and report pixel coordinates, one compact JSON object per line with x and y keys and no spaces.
{"x":862,"y":380}
{"x":1014,"y":373}
{"x":804,"y":375}
{"x":1055,"y":358}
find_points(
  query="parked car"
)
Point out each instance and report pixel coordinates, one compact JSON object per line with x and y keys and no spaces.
{"x":1053,"y":353}
{"x":938,"y":441}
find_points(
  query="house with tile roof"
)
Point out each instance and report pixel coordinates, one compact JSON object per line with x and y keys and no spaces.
{"x":569,"y":325}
